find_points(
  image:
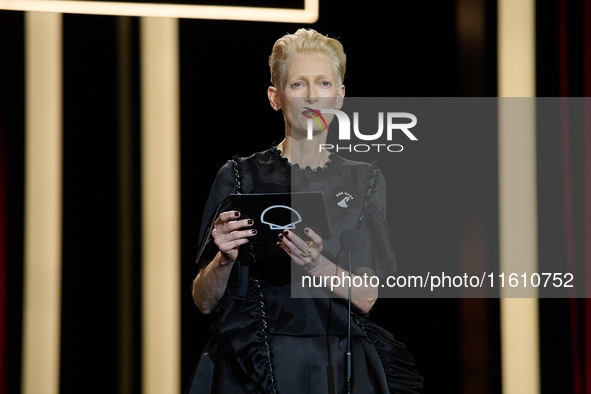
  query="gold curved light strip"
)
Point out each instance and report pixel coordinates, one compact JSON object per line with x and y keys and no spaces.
{"x":262,"y":14}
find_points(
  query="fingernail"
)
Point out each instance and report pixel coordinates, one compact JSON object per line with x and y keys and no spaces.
{"x":306,"y":230}
{"x":250,"y":221}
{"x":254,"y":231}
{"x":237,"y":213}
{"x":285,"y":232}
{"x":280,"y":236}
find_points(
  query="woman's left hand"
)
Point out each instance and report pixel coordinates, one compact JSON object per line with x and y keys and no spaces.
{"x":305,"y":254}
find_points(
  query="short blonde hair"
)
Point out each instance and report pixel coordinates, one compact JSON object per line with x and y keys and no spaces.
{"x":305,"y":41}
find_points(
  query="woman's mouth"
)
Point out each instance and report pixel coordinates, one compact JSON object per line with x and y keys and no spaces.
{"x":315,"y":114}
{"x":310,"y":112}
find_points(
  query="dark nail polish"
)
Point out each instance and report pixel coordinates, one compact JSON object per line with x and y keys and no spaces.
{"x":250,"y":221}
{"x":237,"y":213}
{"x":285,"y":232}
{"x":306,"y":230}
{"x":254,"y":231}
{"x":280,"y":236}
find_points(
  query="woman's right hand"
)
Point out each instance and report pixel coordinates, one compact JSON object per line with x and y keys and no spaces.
{"x":229,"y":233}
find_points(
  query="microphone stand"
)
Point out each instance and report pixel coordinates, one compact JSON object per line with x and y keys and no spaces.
{"x":348,"y":354}
{"x":349,"y":241}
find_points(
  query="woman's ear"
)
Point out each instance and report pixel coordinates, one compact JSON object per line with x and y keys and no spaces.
{"x":273,"y":98}
{"x":340,"y":97}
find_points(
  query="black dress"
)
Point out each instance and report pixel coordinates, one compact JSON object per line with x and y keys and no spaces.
{"x":265,"y":341}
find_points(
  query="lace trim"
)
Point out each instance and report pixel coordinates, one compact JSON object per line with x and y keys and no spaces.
{"x":297,"y":167}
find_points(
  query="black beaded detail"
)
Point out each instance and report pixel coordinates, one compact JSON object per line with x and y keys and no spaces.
{"x":265,"y":333}
{"x":372,"y":183}
{"x":237,"y":177}
{"x":356,"y":320}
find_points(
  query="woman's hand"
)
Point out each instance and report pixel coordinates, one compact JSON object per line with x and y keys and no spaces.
{"x":305,"y":254}
{"x":229,"y":233}
{"x":210,"y":284}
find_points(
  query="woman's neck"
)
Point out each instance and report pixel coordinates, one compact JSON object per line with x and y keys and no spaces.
{"x":304,"y":152}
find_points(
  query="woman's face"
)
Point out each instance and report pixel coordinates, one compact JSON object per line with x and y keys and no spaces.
{"x":309,"y":83}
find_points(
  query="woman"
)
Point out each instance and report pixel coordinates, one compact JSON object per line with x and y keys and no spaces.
{"x":265,"y":341}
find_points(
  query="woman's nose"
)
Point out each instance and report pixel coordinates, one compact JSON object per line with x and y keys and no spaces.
{"x":311,"y":95}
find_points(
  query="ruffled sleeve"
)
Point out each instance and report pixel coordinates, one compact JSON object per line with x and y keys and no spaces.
{"x":218,"y":201}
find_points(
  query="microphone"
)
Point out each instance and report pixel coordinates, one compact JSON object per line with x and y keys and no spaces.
{"x":349,"y":242}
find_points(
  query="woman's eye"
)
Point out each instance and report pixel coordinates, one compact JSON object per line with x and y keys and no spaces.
{"x":296,"y":85}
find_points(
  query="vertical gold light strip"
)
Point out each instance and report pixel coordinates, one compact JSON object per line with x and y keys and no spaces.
{"x":517,"y":193}
{"x":516,"y":48}
{"x":43,"y":203}
{"x":160,"y":205}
